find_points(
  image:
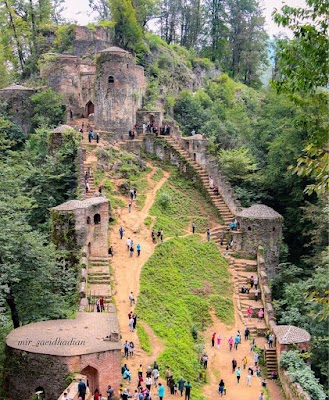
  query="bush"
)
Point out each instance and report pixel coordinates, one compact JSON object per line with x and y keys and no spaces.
{"x":302,"y":374}
{"x":65,"y":35}
{"x":164,"y":200}
{"x":49,"y":109}
{"x":144,"y":339}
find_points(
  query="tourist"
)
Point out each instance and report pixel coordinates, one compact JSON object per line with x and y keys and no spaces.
{"x":213,"y":339}
{"x":153,"y":236}
{"x":128,"y":244}
{"x":131,"y":251}
{"x":251,"y":280}
{"x":238,"y":374}
{"x":131,"y":298}
{"x":256,"y":282}
{"x":148,"y":383}
{"x":155,"y":365}
{"x":193,"y":227}
{"x":131,"y":325}
{"x":96,"y":394}
{"x":155,"y":374}
{"x":205,"y":361}
{"x":252,"y":345}
{"x":239,"y":336}
{"x":138,"y":248}
{"x":134,"y":317}
{"x":256,"y":358}
{"x":172,"y":385}
{"x":131,"y":349}
{"x":90,"y":136}
{"x":87,"y":187}
{"x":261,"y":397}
{"x":110,"y":393}
{"x":126,"y":349}
{"x":221,"y":387}
{"x":161,"y":391}
{"x":101,"y":303}
{"x":161,"y":235}
{"x":129,"y":206}
{"x":227,"y":248}
{"x":216,"y":189}
{"x":98,"y":307}
{"x":120,"y":391}
{"x":140,"y":370}
{"x":251,"y":370}
{"x":101,"y":397}
{"x":234,"y":364}
{"x":66,"y":396}
{"x":249,"y":380}
{"x":144,"y":127}
{"x":168,"y":375}
{"x":188,"y":388}
{"x":208,"y":234}
{"x":211,"y":182}
{"x":135,"y":194}
{"x":246,"y":333}
{"x":244,"y":289}
{"x":258,"y":371}
{"x":158,"y":234}
{"x":256,"y":294}
{"x":249,"y":313}
{"x":270,"y":340}
{"x":260,"y":314}
{"x":181,"y":383}
{"x":264,"y":383}
{"x":219,"y":339}
{"x":71,"y":114}
{"x":121,"y":232}
{"x":236,"y":342}
{"x":110,"y":252}
{"x":230,"y":342}
{"x":82,"y":388}
{"x":245,"y":362}
{"x":274,"y":375}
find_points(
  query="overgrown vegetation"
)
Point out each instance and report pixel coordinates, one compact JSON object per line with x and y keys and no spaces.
{"x":179,"y":285}
{"x":177,"y":204}
{"x":144,"y":339}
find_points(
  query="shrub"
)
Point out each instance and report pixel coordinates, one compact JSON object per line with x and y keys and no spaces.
{"x":302,"y":373}
{"x":65,"y":35}
{"x":164,"y":200}
{"x":144,"y":339}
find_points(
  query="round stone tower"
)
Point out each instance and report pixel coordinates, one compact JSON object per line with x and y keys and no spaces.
{"x":260,"y":225}
{"x":119,"y":86}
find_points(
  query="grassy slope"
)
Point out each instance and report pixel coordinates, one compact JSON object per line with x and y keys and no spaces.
{"x":186,"y":205}
{"x":181,"y":281}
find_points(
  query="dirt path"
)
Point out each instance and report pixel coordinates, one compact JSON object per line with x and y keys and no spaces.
{"x":126,"y":272}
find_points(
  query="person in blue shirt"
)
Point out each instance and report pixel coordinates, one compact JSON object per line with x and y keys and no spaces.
{"x":138,"y":248}
{"x":161,"y":391}
{"x":82,"y":388}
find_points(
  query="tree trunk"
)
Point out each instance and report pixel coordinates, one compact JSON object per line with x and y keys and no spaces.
{"x":13,"y":309}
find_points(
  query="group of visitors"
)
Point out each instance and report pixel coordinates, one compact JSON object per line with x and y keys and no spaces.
{"x":131,"y":248}
{"x":132,"y":317}
{"x":157,"y":236}
{"x":100,"y":304}
{"x":92,"y":135}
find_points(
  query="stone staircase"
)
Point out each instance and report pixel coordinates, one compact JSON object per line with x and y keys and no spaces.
{"x":270,"y":360}
{"x":216,"y":199}
{"x":99,"y":278}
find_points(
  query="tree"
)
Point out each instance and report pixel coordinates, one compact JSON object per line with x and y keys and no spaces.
{"x":128,"y":34}
{"x":49,"y":109}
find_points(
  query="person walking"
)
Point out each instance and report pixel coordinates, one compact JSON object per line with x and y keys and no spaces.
{"x":131,"y":325}
{"x":161,"y":391}
{"x":101,"y":304}
{"x":138,"y":248}
{"x":181,"y":383}
{"x":97,"y":137}
{"x":131,"y":298}
{"x":213,"y":339}
{"x":128,"y":243}
{"x":245,"y":362}
{"x":131,"y":251}
{"x":270,"y":340}
{"x":221,"y":387}
{"x":126,"y":349}
{"x":129,"y":206}
{"x":82,"y":388}
{"x":238,"y":374}
{"x":131,"y":349}
{"x":90,"y":136}
{"x":249,"y":312}
{"x":246,"y":333}
{"x":256,"y":359}
{"x":155,"y":374}
{"x":230,"y":342}
{"x":249,"y":380}
{"x":161,"y":235}
{"x":236,"y":342}
{"x":193,"y":227}
{"x":121,"y":232}
{"x":234,"y":364}
{"x":219,"y":339}
{"x":227,"y":248}
{"x":256,"y":294}
{"x":260,"y":314}
{"x":261,"y":396}
{"x":188,"y":388}
{"x":148,"y":383}
{"x":208,"y":234}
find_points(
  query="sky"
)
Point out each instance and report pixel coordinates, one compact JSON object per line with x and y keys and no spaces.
{"x":79,"y":11}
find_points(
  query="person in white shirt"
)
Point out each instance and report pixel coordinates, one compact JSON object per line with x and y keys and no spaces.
{"x":128,"y":243}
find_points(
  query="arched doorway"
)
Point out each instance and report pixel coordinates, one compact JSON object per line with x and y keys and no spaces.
{"x":90,"y":108}
{"x":92,"y":378}
{"x":89,"y":248}
{"x":194,"y":156}
{"x":97,"y":219}
{"x":40,"y":393}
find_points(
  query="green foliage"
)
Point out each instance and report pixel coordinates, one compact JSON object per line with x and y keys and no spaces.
{"x":148,"y":221}
{"x":49,"y":109}
{"x":65,"y":35}
{"x":177,"y":282}
{"x":144,"y":339}
{"x":186,"y":205}
{"x":302,"y":373}
{"x":128,"y":34}
{"x":158,"y":175}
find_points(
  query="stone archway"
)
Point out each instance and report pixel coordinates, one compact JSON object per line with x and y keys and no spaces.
{"x":92,"y":378}
{"x":89,"y":108}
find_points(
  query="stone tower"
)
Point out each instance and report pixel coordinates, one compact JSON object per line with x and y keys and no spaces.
{"x":119,"y":88}
{"x":260,"y":225}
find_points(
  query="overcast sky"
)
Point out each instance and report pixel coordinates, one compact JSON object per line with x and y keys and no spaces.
{"x":78,"y":10}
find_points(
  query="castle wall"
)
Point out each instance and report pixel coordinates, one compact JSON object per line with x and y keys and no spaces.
{"x":50,"y":372}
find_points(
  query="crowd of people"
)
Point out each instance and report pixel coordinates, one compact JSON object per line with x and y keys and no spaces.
{"x":150,"y":127}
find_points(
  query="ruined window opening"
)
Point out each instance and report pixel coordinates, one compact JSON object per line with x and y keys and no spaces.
{"x":88,"y":220}
{"x":249,"y":228}
{"x":111,"y":79}
{"x":97,"y":219}
{"x":127,"y":65}
{"x":273,"y":229}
